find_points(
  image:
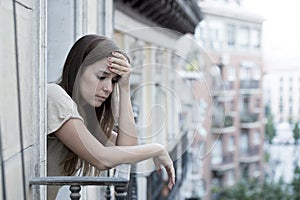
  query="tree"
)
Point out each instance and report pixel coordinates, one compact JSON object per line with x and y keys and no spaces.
{"x":296,"y":183}
{"x":270,"y":129}
{"x":256,"y":189}
{"x":296,"y":133}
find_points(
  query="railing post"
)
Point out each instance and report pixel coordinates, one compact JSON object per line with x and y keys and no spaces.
{"x":121,"y":192}
{"x":75,"y":189}
{"x":122,"y":171}
{"x":107,"y":193}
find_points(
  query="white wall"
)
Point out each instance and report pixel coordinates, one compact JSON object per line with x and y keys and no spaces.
{"x":29,"y":37}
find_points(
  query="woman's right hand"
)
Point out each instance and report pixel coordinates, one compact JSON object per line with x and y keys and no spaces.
{"x":164,"y":160}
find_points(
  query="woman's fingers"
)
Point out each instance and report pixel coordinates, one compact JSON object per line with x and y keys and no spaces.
{"x":171,"y":175}
{"x":118,"y":64}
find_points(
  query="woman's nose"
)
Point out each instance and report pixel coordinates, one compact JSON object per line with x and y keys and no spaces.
{"x":106,"y":86}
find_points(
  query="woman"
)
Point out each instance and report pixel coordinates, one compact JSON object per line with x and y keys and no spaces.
{"x":82,"y":111}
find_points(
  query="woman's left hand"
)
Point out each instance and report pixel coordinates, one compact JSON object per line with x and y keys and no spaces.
{"x":119,"y":64}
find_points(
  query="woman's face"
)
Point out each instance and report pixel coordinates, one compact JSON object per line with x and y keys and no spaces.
{"x":97,"y":83}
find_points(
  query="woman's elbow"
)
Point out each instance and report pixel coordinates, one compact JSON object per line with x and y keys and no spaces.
{"x":100,"y":166}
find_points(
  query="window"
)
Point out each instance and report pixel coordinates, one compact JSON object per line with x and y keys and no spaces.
{"x":245,"y":73}
{"x":231,"y":73}
{"x":217,"y":152}
{"x":231,"y":143}
{"x":230,"y":178}
{"x":243,"y":37}
{"x":244,"y":143}
{"x":256,"y":138}
{"x":231,"y":35}
{"x":214,"y":38}
{"x":256,"y":72}
{"x":255,"y":38}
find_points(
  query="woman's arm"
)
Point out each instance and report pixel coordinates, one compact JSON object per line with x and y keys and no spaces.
{"x":127,"y":135}
{"x":76,"y":137}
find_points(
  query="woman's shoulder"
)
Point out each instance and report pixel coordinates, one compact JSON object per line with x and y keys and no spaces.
{"x":53,"y":88}
{"x":55,"y":91}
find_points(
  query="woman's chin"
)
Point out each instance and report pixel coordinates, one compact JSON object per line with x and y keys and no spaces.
{"x":97,"y":104}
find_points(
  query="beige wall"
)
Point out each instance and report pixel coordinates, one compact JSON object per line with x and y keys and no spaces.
{"x":30,"y":41}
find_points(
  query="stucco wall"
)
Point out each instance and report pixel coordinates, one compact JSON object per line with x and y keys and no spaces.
{"x":22,"y":28}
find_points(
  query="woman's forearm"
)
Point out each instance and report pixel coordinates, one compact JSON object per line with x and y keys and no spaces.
{"x":127,"y":135}
{"x":77,"y":138}
{"x":116,"y":155}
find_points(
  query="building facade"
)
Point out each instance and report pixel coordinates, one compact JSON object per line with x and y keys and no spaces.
{"x":282,"y":95}
{"x":232,"y":38}
{"x":34,"y":46}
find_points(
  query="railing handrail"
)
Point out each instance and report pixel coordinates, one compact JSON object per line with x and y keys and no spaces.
{"x":120,"y":180}
{"x":77,"y":180}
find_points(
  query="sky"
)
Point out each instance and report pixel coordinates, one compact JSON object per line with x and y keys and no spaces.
{"x":281,"y":31}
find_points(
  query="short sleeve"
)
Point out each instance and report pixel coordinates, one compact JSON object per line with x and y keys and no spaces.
{"x":60,"y":108}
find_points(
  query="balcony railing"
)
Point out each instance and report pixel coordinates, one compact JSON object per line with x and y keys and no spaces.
{"x":251,"y":155}
{"x":157,"y":187}
{"x":249,"y":84}
{"x":249,"y":117}
{"x":223,"y":89}
{"x":224,"y":126}
{"x":252,"y":151}
{"x":228,"y":122}
{"x":119,"y":181}
{"x":227,"y":159}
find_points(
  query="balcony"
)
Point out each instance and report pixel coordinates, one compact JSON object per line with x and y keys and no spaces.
{"x":249,"y":86}
{"x":157,"y":187}
{"x":224,"y":90}
{"x":251,"y":155}
{"x":249,"y":120}
{"x":221,"y":127}
{"x":226,"y":163}
{"x":119,"y":181}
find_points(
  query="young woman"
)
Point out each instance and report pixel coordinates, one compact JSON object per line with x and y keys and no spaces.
{"x":84,"y":108}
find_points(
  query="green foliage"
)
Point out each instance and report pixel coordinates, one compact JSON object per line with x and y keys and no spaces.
{"x":296,"y":132}
{"x":296,"y":183}
{"x":256,"y":189}
{"x":228,"y":121}
{"x":270,"y":130}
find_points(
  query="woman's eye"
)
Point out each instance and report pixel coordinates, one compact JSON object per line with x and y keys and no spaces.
{"x":101,"y":77}
{"x":115,"y":80}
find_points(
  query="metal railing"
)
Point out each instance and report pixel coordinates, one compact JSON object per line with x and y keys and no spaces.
{"x":249,"y":84}
{"x":251,"y":151}
{"x":249,"y":117}
{"x":120,"y":182}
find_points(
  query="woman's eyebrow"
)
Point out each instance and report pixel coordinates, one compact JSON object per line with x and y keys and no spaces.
{"x":104,"y":71}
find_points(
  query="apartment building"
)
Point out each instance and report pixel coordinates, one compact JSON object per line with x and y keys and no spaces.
{"x":231,"y":37}
{"x":34,"y":46}
{"x":282,"y":94}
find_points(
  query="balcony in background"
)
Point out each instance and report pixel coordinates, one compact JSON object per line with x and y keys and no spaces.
{"x":157,"y":187}
{"x":226,"y":163}
{"x":225,"y":126}
{"x":249,"y":120}
{"x":225,"y":89}
{"x":251,"y":155}
{"x":249,"y":86}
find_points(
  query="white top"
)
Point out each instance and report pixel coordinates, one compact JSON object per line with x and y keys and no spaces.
{"x":60,"y":108}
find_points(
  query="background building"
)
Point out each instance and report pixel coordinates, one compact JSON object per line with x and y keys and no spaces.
{"x":34,"y":46}
{"x":232,"y":38}
{"x":282,"y":94}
